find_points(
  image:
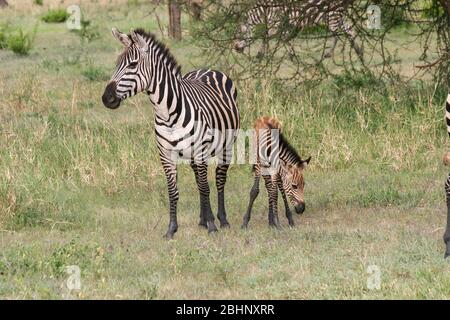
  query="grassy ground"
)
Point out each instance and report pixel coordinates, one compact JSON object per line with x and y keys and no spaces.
{"x":82,"y":185}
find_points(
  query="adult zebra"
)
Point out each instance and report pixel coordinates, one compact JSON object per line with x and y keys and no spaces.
{"x":196,"y":116}
{"x":447,"y":182}
{"x":273,"y":13}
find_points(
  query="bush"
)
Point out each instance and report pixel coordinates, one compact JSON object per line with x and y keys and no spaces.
{"x":94,"y":73}
{"x":55,"y":16}
{"x":3,"y":37}
{"x":21,"y":42}
{"x":39,"y":2}
{"x":88,"y":31}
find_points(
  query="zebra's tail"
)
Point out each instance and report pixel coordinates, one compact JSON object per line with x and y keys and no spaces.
{"x":447,"y":120}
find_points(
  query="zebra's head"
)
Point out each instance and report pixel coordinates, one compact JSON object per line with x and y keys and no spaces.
{"x":131,"y":75}
{"x":294,"y":184}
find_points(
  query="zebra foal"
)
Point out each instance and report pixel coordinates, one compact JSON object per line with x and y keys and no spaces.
{"x":196,"y":116}
{"x":282,"y":169}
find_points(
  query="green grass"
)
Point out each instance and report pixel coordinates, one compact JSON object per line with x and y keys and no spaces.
{"x":55,"y":16}
{"x":83,"y":185}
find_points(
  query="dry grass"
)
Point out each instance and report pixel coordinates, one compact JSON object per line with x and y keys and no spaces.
{"x":80,"y":184}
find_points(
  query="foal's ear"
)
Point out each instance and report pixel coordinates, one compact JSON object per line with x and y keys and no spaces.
{"x":305,"y":163}
{"x":122,"y":37}
{"x":139,"y":40}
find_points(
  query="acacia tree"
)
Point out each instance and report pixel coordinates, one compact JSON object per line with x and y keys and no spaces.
{"x":297,"y":51}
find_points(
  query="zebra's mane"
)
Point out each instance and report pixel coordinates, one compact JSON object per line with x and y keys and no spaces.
{"x":164,"y":51}
{"x":284,"y":144}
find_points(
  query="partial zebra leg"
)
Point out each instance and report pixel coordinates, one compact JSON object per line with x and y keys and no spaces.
{"x":205,"y":204}
{"x":263,"y":50}
{"x":221,"y":178}
{"x":253,"y":195}
{"x":170,"y":170}
{"x":447,"y":230}
{"x":330,"y":51}
{"x":202,"y":221}
{"x":286,"y":203}
{"x":272,"y":190}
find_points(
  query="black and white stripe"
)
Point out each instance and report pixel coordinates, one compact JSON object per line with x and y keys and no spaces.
{"x":282,"y":169}
{"x":300,"y":14}
{"x":447,"y":182}
{"x":196,"y":116}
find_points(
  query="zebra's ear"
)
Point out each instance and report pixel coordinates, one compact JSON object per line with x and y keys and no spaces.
{"x":305,"y":163}
{"x":139,"y":40}
{"x":122,"y":37}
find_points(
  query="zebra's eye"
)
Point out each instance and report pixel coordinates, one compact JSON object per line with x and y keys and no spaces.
{"x":294,"y":186}
{"x":133,"y":64}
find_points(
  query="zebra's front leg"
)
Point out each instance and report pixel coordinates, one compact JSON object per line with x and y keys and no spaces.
{"x":221,"y":178}
{"x":170,"y":170}
{"x":447,"y":230}
{"x":253,"y":195}
{"x":286,"y":203}
{"x":202,"y":222}
{"x":272,"y":190}
{"x":205,"y":203}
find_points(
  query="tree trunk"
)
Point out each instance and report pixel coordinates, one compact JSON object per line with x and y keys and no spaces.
{"x":174,"y":19}
{"x":3,"y":3}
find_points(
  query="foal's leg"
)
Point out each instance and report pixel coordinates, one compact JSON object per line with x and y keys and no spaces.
{"x":221,"y":178}
{"x":202,"y":221}
{"x":170,"y":171}
{"x":272,"y":190}
{"x":205,"y":204}
{"x":286,"y":203}
{"x":253,"y":194}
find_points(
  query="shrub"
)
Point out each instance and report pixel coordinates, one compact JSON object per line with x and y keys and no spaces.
{"x":3,"y":37}
{"x":55,"y":16}
{"x":94,"y":73}
{"x":88,"y":31}
{"x":21,"y":42}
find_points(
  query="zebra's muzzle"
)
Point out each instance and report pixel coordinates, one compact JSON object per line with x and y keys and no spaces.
{"x":300,"y":208}
{"x":109,"y":98}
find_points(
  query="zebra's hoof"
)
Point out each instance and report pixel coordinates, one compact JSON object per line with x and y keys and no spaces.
{"x":168,"y":236}
{"x":212,"y":227}
{"x":276,"y":226}
{"x":224,"y":225}
{"x":203,"y":224}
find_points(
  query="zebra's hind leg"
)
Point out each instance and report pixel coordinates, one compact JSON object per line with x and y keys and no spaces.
{"x":286,"y":203}
{"x":447,"y":230}
{"x":202,"y":222}
{"x":205,"y":203}
{"x":170,"y":171}
{"x":253,"y":195}
{"x":330,"y":51}
{"x":221,"y":178}
{"x":272,"y":190}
